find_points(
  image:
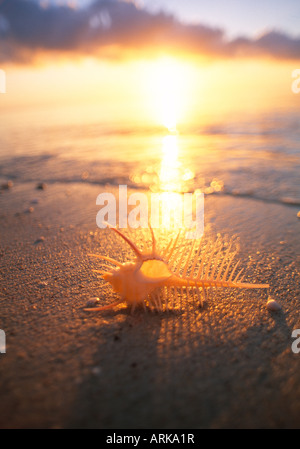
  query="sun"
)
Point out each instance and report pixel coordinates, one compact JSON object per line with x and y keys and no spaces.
{"x":167,"y":85}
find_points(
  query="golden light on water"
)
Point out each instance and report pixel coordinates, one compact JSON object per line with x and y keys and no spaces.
{"x":167,"y":89}
{"x":173,"y":176}
{"x":170,"y":166}
{"x":171,"y":182}
{"x":168,"y":84}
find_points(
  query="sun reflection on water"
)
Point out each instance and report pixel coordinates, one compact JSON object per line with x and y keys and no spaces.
{"x":173,"y":176}
{"x":172,"y":181}
{"x":170,"y":165}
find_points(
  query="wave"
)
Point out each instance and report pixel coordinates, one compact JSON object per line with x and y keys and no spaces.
{"x":115,"y":181}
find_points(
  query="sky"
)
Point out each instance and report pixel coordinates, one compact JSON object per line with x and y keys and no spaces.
{"x":119,"y":28}
{"x":123,"y":53}
{"x":237,"y":17}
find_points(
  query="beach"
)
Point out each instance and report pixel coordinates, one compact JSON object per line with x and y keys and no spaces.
{"x":229,"y":364}
{"x":166,"y":121}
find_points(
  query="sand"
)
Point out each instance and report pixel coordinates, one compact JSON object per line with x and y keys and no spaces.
{"x":227,"y":365}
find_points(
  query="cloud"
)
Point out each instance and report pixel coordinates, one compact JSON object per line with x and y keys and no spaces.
{"x":117,"y":28}
{"x":275,"y":44}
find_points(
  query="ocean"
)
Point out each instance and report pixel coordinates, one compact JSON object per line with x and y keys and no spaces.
{"x":254,"y":155}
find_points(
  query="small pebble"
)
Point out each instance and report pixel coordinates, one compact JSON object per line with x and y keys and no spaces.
{"x":40,"y":239}
{"x":273,"y":305}
{"x":41,"y":186}
{"x":43,"y":284}
{"x":7,"y":185}
{"x":96,"y":370}
{"x":29,"y":210}
{"x":92,"y":302}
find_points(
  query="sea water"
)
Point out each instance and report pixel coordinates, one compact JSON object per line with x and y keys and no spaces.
{"x":256,"y":155}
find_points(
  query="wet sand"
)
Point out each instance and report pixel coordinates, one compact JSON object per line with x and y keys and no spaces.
{"x":227,"y":365}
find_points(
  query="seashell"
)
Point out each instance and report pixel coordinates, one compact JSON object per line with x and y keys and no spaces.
{"x":155,"y":277}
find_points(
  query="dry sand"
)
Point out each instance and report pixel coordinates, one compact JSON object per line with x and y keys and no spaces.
{"x":227,"y":365}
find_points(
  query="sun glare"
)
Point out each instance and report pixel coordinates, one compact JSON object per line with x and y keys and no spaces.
{"x":167,"y":86}
{"x":173,"y":175}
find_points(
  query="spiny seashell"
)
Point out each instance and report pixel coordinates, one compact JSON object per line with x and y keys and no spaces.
{"x":155,"y":277}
